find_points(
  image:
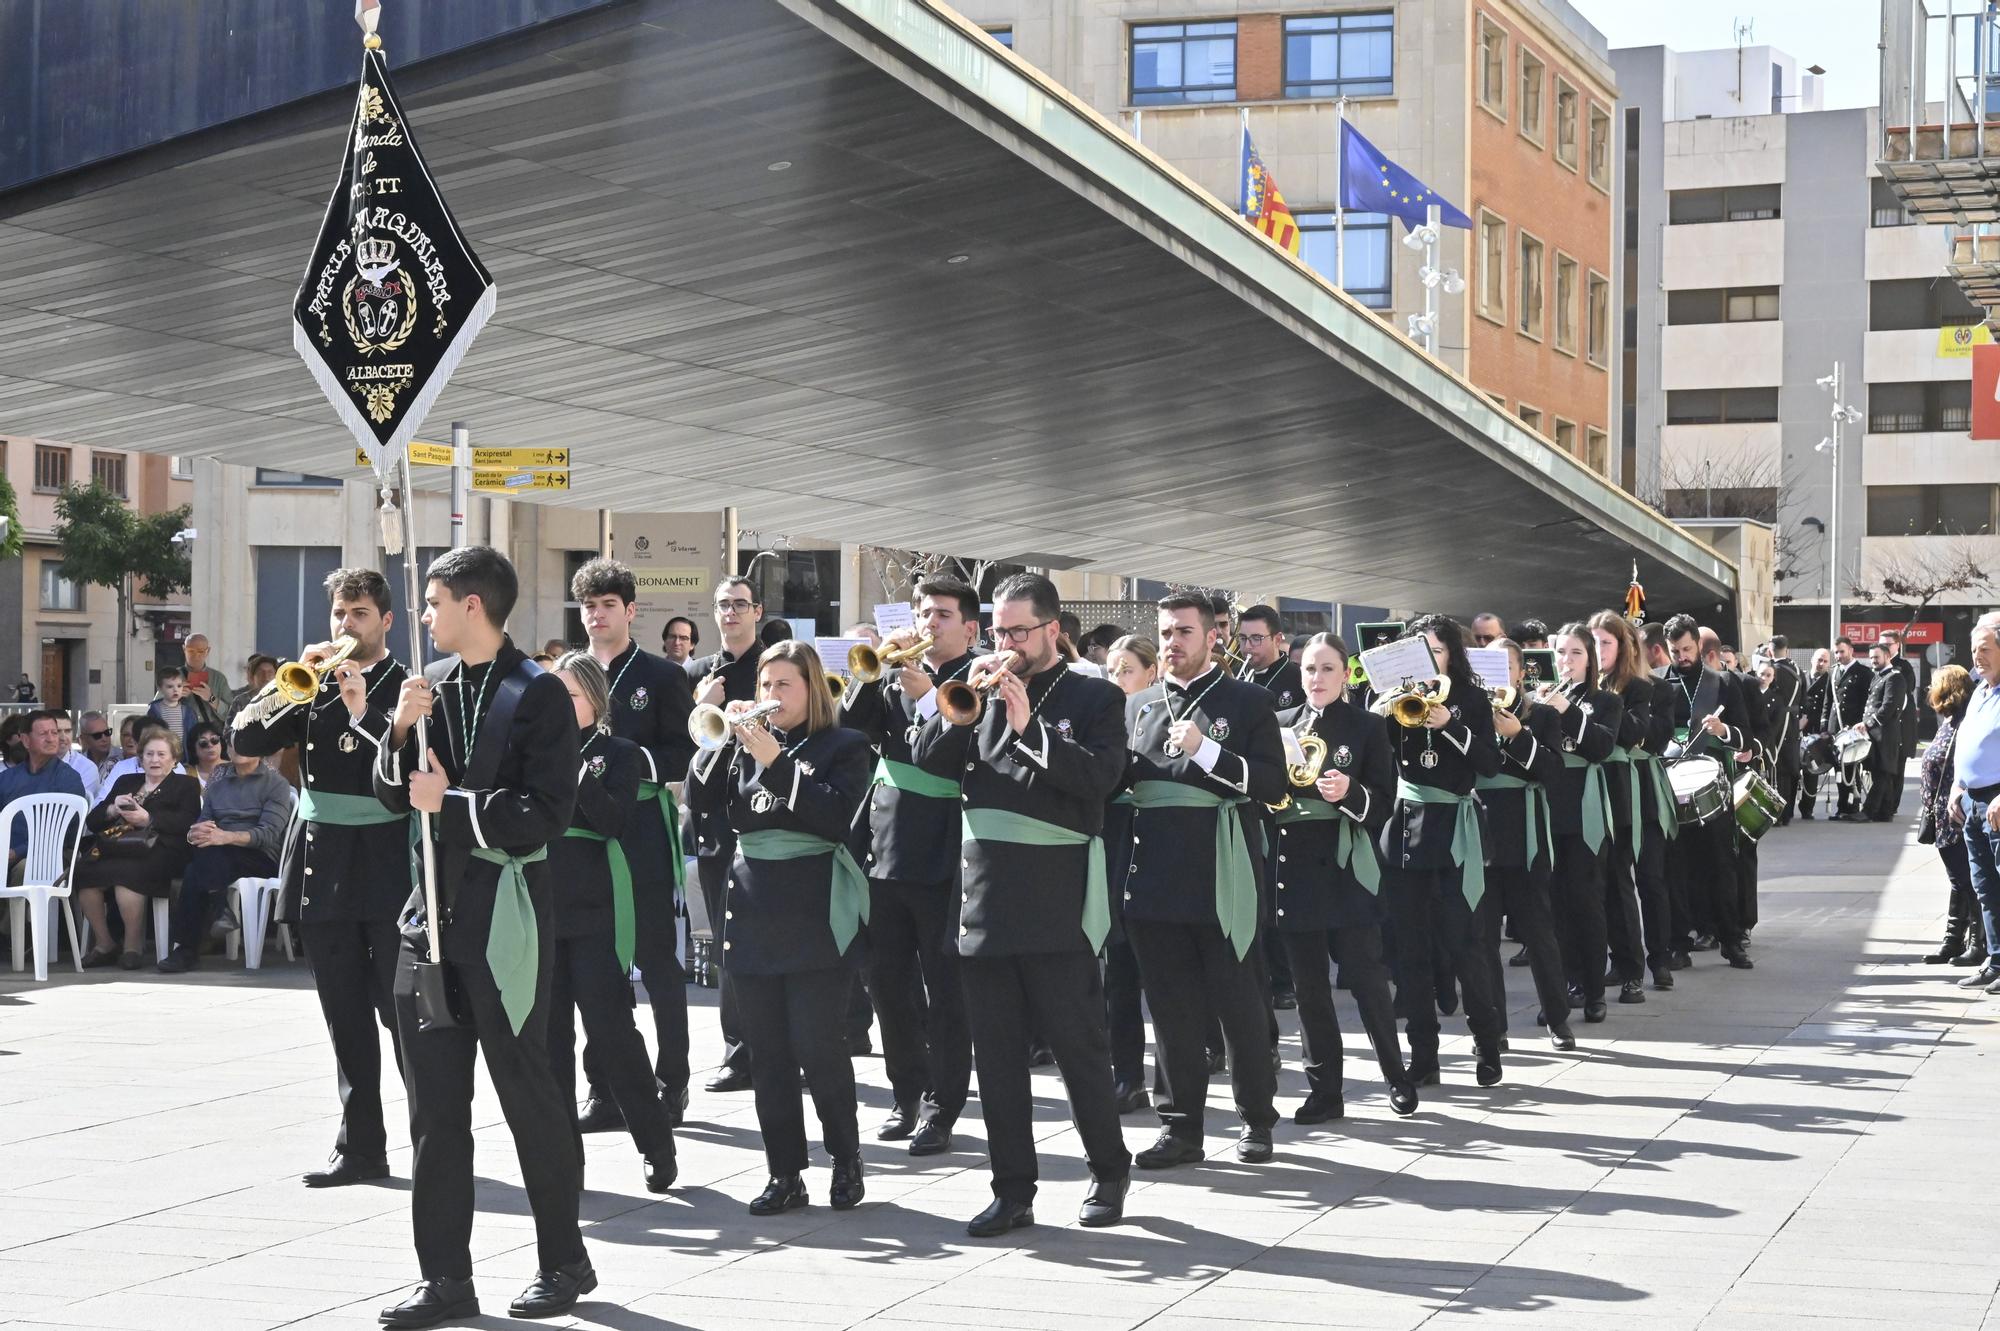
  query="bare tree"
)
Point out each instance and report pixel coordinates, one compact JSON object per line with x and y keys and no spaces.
{"x":1733,"y":488}
{"x":899,"y":571}
{"x":1914,"y":581}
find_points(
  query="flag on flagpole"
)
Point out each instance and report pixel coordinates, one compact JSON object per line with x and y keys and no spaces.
{"x":1261,"y":204}
{"x":1371,"y":183}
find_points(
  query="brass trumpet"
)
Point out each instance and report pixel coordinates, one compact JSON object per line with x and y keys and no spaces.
{"x":1504,"y":696}
{"x":835,"y":685}
{"x":868,"y":664}
{"x":298,"y":681}
{"x":1306,"y":771}
{"x":962,"y":701}
{"x":709,"y":726}
{"x":1410,"y":702}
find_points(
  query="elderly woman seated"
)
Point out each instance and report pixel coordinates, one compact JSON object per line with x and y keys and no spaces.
{"x":138,"y":845}
{"x":240,"y":834}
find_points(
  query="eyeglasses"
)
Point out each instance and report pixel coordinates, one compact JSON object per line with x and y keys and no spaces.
{"x":1257,"y":639}
{"x":208,"y":742}
{"x":97,"y":734}
{"x":740,"y":607}
{"x":1014,"y":637}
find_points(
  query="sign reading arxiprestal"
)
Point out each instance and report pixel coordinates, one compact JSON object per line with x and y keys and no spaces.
{"x":393,"y":295}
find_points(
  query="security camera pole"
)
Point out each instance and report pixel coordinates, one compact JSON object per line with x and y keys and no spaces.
{"x":1424,"y":327}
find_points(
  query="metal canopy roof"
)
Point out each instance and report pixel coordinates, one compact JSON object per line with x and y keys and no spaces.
{"x":969,"y":315}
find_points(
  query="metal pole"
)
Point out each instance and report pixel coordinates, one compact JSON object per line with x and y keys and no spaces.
{"x":1916,"y":59}
{"x":1433,"y":217}
{"x":1833,"y":528}
{"x":1950,"y":66}
{"x":461,"y":476}
{"x":412,"y":598}
{"x":729,"y":541}
{"x":1340,"y":194}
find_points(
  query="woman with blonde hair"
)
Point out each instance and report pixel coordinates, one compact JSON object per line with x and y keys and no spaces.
{"x":1635,"y":879}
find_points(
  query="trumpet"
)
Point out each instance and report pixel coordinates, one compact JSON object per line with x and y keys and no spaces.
{"x":1504,"y":696}
{"x":962,"y":701}
{"x":296,"y":684}
{"x":1410,"y":702}
{"x":1305,"y":771}
{"x":710,"y":727}
{"x":868,"y":664}
{"x":835,"y":685}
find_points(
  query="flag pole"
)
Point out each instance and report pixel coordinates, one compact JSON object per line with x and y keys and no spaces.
{"x":1340,"y":194}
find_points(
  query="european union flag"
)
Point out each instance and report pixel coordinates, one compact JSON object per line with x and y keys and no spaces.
{"x":1371,"y":183}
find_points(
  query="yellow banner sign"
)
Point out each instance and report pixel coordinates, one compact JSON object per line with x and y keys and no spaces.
{"x":520,"y":457}
{"x":672,"y":581}
{"x":421,"y":455}
{"x":1956,"y":341}
{"x":520,"y":480}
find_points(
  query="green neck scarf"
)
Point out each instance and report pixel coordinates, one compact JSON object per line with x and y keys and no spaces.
{"x":1468,"y":851}
{"x":624,"y":932}
{"x":1235,"y":878}
{"x":1021,"y":830}
{"x":1351,"y":851}
{"x":847,"y":904}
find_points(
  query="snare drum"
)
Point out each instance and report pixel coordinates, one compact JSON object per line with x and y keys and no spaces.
{"x":1757,"y":805}
{"x":1700,"y":793}
{"x":1852,"y":745}
{"x":1817,"y":755}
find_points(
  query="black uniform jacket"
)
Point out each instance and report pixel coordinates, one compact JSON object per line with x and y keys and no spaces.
{"x":1888,"y":697}
{"x":1172,"y":874}
{"x":1313,"y":891}
{"x":1818,"y":697}
{"x":650,"y":702}
{"x":1588,"y":730}
{"x":1850,"y":693}
{"x":1535,"y":754}
{"x":1692,"y":694}
{"x":775,"y":917}
{"x":1016,"y":899}
{"x":1635,"y":719}
{"x":907,"y":837}
{"x":1418,"y":835}
{"x":1782,"y":704}
{"x":1282,"y":681}
{"x":710,"y":837}
{"x":607,"y":803}
{"x":515,"y":797}
{"x":358,"y":873}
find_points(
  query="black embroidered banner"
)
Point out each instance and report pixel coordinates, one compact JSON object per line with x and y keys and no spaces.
{"x":393,"y":295}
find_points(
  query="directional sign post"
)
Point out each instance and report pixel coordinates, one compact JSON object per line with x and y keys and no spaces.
{"x":421,"y":455}
{"x":520,"y":480}
{"x":493,"y":459}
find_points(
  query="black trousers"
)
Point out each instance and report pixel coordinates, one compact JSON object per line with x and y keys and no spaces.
{"x":1808,"y":790}
{"x":1524,"y":897}
{"x":1188,"y":971}
{"x":1848,"y":799}
{"x":1624,"y":928}
{"x":1576,"y":897}
{"x":793,"y":1024}
{"x":589,"y":983}
{"x":713,"y":873}
{"x":1702,"y":859}
{"x":438,"y":1069}
{"x":210,"y":871}
{"x":1886,"y":765}
{"x":1056,"y":995}
{"x":655,"y":952}
{"x":1785,"y":777}
{"x":1430,"y":912}
{"x":353,"y":966}
{"x":1358,"y":948}
{"x":1124,"y":1013}
{"x":919,"y":1000}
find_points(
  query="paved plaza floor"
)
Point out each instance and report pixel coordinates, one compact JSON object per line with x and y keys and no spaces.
{"x":1795,"y":1146}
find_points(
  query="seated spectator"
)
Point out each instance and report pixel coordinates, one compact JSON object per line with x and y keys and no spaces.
{"x":133,"y":734}
{"x":140,"y":846}
{"x":93,"y":761}
{"x":128,"y":739}
{"x":42,"y":772}
{"x":240,"y":833}
{"x":208,"y":752}
{"x":172,"y":709}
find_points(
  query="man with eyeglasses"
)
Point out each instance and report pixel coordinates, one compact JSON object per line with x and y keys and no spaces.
{"x":678,"y":639}
{"x":729,"y":675}
{"x":95,"y":760}
{"x":1487,"y":629}
{"x":1267,"y":665}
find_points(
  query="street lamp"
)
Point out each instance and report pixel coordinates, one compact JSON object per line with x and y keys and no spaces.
{"x":1424,"y":327}
{"x":1842,"y":416}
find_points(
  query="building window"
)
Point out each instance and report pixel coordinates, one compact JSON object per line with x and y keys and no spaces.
{"x":58,"y":592}
{"x":1596,"y":450}
{"x":1600,"y":148}
{"x":108,"y":470}
{"x":1715,"y":305}
{"x":1367,"y":278}
{"x":1904,"y":304}
{"x":1888,"y":210}
{"x":1004,"y":36}
{"x":1340,"y":55}
{"x":1908,"y":408}
{"x":1931,"y":510}
{"x":1174,"y":63}
{"x":51,"y":469}
{"x":1566,"y":128}
{"x":1492,"y":266}
{"x":296,"y":479}
{"x":1566,"y":436}
{"x":1530,"y":318}
{"x":573,"y":560}
{"x":291,"y":602}
{"x":1722,"y":406}
{"x":1597,"y":328}
{"x":1738,"y":203}
{"x":1528,"y":98}
{"x":1531,"y":417}
{"x":1492,"y":67}
{"x":180,"y":468}
{"x":1566,"y":294}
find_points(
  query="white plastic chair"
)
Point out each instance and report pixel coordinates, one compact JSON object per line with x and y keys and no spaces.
{"x":256,"y":905}
{"x":55,"y":825}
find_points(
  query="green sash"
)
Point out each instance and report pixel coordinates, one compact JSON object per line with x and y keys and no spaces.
{"x":1468,"y":851}
{"x":1352,"y":852}
{"x":1623,"y":757}
{"x":1596,"y":800}
{"x":337,"y":810}
{"x":623,"y":932}
{"x":1021,"y":830}
{"x":513,"y":949}
{"x":913,"y":780}
{"x":847,"y":904}
{"x":1664,"y":813}
{"x":1534,"y":802}
{"x":1235,"y":878}
{"x":670,"y":814}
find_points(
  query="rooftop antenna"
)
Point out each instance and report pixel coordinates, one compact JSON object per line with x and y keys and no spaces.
{"x":1743,"y":28}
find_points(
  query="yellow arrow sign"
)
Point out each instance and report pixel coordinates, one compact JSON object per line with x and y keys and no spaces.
{"x":520,"y":480}
{"x":520,"y":457}
{"x":421,"y":454}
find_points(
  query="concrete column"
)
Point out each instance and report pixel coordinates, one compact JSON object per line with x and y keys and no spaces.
{"x":222,"y":601}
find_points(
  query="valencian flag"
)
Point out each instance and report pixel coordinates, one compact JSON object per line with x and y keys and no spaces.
{"x":1371,"y":183}
{"x":393,"y":295}
{"x":1261,"y":204}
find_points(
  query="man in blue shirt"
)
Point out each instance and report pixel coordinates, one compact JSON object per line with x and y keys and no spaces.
{"x":1976,"y":787}
{"x":44,"y":773}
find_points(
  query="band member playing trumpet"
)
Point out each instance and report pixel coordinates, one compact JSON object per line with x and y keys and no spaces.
{"x":1580,"y":810}
{"x":357,"y":852}
{"x":1708,"y":721}
{"x":1329,"y":882}
{"x":788,"y":786}
{"x":1635,"y":911}
{"x":1435,"y":857}
{"x":912,"y":864}
{"x":1206,"y":746}
{"x":1035,"y":767}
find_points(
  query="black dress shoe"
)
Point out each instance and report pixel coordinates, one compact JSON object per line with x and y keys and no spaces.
{"x":553,"y":1293}
{"x":1631,"y":992}
{"x":1320,"y":1108}
{"x":94,"y":958}
{"x":728,"y":1079}
{"x":1663,"y":977}
{"x":1974,"y":955}
{"x":1520,"y":958}
{"x":434,"y":1301}
{"x":1284,"y":1000}
{"x":1594,"y":1012}
{"x":675,"y":1103}
{"x":1980,"y":978}
{"x":1104,"y":1204}
{"x":1487,"y":1070}
{"x":1561,"y":1036}
{"x":1425,"y":1074}
{"x":1402,"y":1098}
{"x":661,"y":1170}
{"x":1253,"y":1146}
{"x":1168,"y":1150}
{"x":1130,"y":1098}
{"x":847,"y":1189}
{"x":178,"y":962}
{"x":1040,"y":1055}
{"x":1680,"y":960}
{"x":1738,"y":961}
{"x":600,"y":1114}
{"x":785,"y":1192}
{"x":933,"y":1138}
{"x":1000,"y":1217}
{"x":342,"y":1170}
{"x":902,"y":1121}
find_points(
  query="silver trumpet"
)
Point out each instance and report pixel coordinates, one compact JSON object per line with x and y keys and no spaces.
{"x":710,"y":727}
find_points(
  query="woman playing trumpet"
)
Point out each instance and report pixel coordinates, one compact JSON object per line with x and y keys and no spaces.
{"x":1580,"y":810}
{"x":1635,"y":879}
